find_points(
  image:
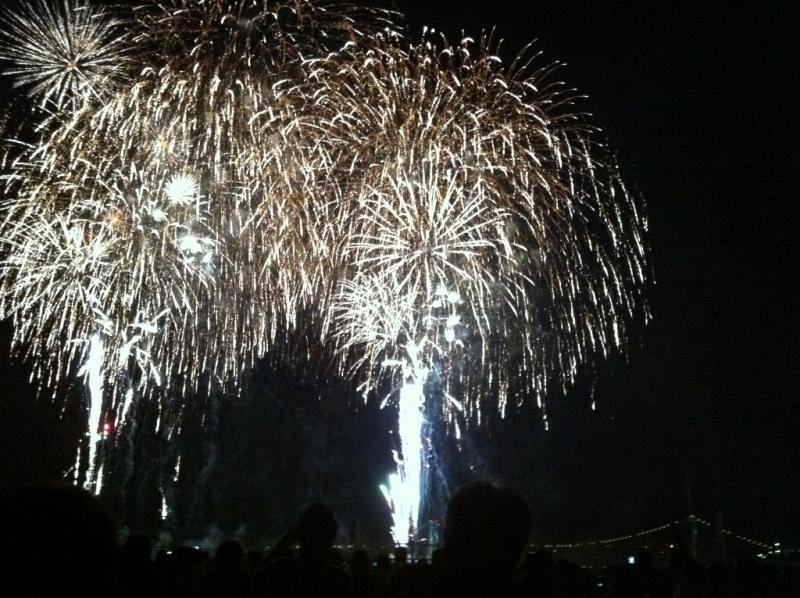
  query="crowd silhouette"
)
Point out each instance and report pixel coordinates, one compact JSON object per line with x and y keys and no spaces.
{"x":61,"y":542}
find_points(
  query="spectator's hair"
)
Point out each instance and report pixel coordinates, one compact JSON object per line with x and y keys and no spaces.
{"x":316,"y":528}
{"x":230,"y":554}
{"x":59,"y":537}
{"x":487,"y":527}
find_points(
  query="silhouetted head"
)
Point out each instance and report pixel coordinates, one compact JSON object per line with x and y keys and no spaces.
{"x":360,"y":563}
{"x":383,"y":562}
{"x":316,"y":530}
{"x":400,"y":555}
{"x":486,"y":529}
{"x":60,"y":540}
{"x":230,"y":555}
{"x":437,"y":557}
{"x":136,"y":550}
{"x":644,"y":560}
{"x":540,"y":563}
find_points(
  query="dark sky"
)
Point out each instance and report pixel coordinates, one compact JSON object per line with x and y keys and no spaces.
{"x":700,"y":102}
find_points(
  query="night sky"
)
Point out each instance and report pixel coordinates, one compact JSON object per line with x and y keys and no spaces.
{"x":700,"y":103}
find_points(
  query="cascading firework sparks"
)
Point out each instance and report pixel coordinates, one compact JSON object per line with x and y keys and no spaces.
{"x":477,"y":182}
{"x":232,"y":172}
{"x":157,"y":214}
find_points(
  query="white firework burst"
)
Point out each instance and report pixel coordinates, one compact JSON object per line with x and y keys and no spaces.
{"x":64,"y":51}
{"x":182,"y":189}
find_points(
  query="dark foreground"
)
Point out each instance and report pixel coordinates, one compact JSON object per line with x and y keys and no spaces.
{"x":60,"y":541}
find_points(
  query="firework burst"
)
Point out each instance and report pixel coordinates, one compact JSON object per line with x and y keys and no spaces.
{"x":64,"y":51}
{"x":478,"y":179}
{"x":174,"y":223}
{"x":491,"y":241}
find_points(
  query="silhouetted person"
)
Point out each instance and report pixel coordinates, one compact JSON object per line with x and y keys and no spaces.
{"x":310,"y":574}
{"x":226,"y":575}
{"x":361,"y":572}
{"x":684,"y":574}
{"x":539,"y":574}
{"x":644,"y":577}
{"x":183,"y":572}
{"x":383,"y":570}
{"x":59,"y":541}
{"x":720,"y":581}
{"x":412,"y":579}
{"x":136,"y":572}
{"x":485,"y":531}
{"x":400,"y":556}
{"x":254,"y":561}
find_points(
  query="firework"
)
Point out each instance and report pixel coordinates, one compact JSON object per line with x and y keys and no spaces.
{"x":64,"y":51}
{"x":276,"y":168}
{"x":487,"y":222}
{"x":479,"y":180}
{"x":173,"y":219}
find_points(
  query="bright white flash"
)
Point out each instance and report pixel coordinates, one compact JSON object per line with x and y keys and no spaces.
{"x":93,"y":373}
{"x":164,"y":507}
{"x":190,"y":244}
{"x":403,"y":490}
{"x":182,"y":189}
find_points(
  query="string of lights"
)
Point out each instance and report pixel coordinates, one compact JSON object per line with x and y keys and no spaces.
{"x":653,"y":530}
{"x":615,"y":539}
{"x":738,"y":536}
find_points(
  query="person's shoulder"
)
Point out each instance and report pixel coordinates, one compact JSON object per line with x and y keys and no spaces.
{"x":336,"y":571}
{"x":413,"y":580}
{"x":276,"y":567}
{"x":336,"y":577}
